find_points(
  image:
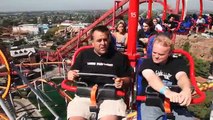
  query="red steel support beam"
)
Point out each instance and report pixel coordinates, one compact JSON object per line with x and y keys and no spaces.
{"x":114,"y":14}
{"x":201,"y":7}
{"x":183,"y":10}
{"x":132,"y":31}
{"x":149,"y":14}
{"x":164,"y":9}
{"x":177,"y":6}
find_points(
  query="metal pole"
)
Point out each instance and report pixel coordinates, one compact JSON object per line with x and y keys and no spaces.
{"x":38,"y":102}
{"x":201,"y":7}
{"x":41,"y":74}
{"x":149,"y":15}
{"x":35,"y":91}
{"x":177,"y":6}
{"x":164,"y":9}
{"x":7,"y":112}
{"x":132,"y":31}
{"x":64,"y":66}
{"x":183,"y":10}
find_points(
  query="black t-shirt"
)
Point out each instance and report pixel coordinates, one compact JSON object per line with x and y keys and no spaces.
{"x":166,"y":72}
{"x":113,"y":62}
{"x":173,"y":25}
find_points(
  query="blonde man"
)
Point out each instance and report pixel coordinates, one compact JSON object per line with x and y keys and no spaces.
{"x":160,"y":71}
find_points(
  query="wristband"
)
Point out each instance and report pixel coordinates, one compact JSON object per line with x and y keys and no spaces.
{"x":163,"y":90}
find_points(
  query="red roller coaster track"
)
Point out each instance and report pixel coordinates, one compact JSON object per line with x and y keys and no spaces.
{"x":110,"y":16}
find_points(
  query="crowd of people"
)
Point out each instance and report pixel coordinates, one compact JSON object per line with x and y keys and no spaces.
{"x":158,"y":72}
{"x":149,"y":27}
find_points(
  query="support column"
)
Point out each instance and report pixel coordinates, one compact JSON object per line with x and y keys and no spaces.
{"x":201,"y":7}
{"x":149,"y":14}
{"x":132,"y":31}
{"x":177,"y":6}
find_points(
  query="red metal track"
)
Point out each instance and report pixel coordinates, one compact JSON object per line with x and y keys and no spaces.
{"x":109,"y":17}
{"x":103,"y":17}
{"x":133,"y":14}
{"x":73,"y":43}
{"x":108,"y":21}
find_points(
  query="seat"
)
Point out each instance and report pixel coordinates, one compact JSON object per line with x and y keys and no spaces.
{"x":198,"y":98}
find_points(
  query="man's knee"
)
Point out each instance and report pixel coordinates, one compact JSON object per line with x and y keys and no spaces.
{"x":151,"y":112}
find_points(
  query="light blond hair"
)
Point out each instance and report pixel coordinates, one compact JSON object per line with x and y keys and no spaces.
{"x":164,"y":41}
{"x":123,"y":23}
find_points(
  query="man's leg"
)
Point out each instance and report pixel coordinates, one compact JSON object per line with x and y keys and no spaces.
{"x":151,"y":112}
{"x":78,"y":109}
{"x":112,"y":110}
{"x":182,"y":114}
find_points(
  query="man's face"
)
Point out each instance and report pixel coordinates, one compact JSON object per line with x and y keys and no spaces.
{"x":100,"y":42}
{"x":160,"y":53}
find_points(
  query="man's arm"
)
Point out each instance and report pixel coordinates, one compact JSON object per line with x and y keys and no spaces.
{"x":153,"y":80}
{"x":185,"y":84}
{"x":156,"y":83}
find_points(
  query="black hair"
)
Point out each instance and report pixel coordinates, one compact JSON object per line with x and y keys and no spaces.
{"x":101,"y":28}
{"x":150,"y":23}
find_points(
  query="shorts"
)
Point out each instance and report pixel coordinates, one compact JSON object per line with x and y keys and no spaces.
{"x":155,"y":113}
{"x":79,"y":106}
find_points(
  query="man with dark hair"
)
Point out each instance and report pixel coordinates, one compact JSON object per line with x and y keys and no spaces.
{"x":171,"y":24}
{"x":100,"y":59}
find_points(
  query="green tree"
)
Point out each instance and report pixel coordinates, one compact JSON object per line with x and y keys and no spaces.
{"x":20,"y":42}
{"x":45,"y":19}
{"x":186,"y":46}
{"x":50,"y":33}
{"x":202,"y":111}
{"x":202,"y":67}
{"x":7,"y":22}
{"x":89,"y":19}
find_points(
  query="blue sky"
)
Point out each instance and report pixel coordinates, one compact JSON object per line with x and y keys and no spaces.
{"x":38,"y":5}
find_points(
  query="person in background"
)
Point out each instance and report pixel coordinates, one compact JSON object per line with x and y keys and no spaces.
{"x":158,"y":27}
{"x":102,"y":60}
{"x":199,"y":23}
{"x":161,"y":71}
{"x":120,"y":34}
{"x":144,"y":33}
{"x":171,"y":24}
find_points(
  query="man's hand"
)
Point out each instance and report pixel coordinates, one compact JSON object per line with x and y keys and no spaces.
{"x":144,"y":40}
{"x":173,"y":96}
{"x":72,"y":74}
{"x":118,"y":83}
{"x":185,"y":97}
{"x":185,"y":85}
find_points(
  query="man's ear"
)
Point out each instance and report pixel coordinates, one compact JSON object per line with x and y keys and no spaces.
{"x":92,"y":44}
